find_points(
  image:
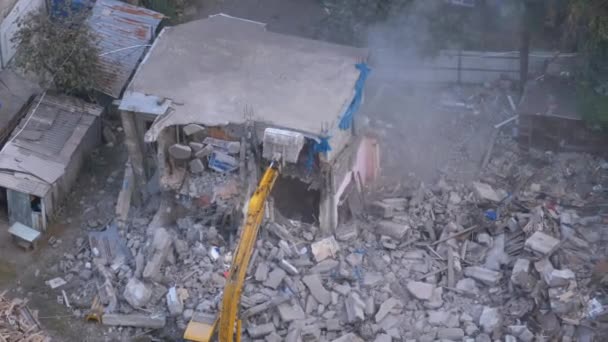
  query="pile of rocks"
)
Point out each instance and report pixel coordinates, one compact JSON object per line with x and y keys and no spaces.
{"x":509,"y":257}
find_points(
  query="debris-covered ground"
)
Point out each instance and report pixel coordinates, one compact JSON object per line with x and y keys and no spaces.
{"x":515,"y":254}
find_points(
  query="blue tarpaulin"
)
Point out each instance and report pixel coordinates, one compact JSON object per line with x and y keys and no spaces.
{"x":347,"y":119}
{"x":318,"y":147}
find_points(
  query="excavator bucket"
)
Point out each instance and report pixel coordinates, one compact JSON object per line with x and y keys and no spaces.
{"x":284,"y":143}
{"x":201,"y":328}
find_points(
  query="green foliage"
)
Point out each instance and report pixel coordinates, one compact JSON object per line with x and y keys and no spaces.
{"x":348,"y":20}
{"x":62,"y":49}
{"x":587,"y":25}
{"x":593,"y":106}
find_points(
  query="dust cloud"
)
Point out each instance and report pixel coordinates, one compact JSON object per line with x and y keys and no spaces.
{"x":420,"y":139}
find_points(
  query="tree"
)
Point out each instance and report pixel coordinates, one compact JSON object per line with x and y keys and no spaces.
{"x":60,"y":48}
{"x":588,"y":28}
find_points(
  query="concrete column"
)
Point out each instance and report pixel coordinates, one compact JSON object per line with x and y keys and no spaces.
{"x":327,"y":210}
{"x":136,"y":154}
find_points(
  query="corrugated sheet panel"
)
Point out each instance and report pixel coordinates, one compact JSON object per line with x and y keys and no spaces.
{"x":54,"y":126}
{"x":10,"y":180}
{"x":124,"y":32}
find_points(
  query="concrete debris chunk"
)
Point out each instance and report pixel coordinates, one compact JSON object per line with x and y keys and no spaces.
{"x":287,"y":267}
{"x":563,"y":301}
{"x":468,"y":286}
{"x":393,"y":229}
{"x":192,"y":129}
{"x":174,"y":302}
{"x":451,"y":334}
{"x":372,"y":279}
{"x":342,"y":289}
{"x":436,"y":300}
{"x":354,"y":308}
{"x":196,"y":166}
{"x":420,"y":290}
{"x":290,"y":312}
{"x":333,"y":324}
{"x":273,"y":337}
{"x":443,"y":318}
{"x":490,"y":319}
{"x":261,"y":272}
{"x":347,"y":231}
{"x":483,"y":275}
{"x":325,"y":266}
{"x":485,"y":192}
{"x":256,"y":331}
{"x":350,"y":337}
{"x":275,"y":278}
{"x":326,"y":248}
{"x":136,"y":293}
{"x":521,"y":332}
{"x":541,"y":243}
{"x":180,"y":152}
{"x":557,"y":278}
{"x":204,"y":152}
{"x":161,"y":246}
{"x":385,"y":308}
{"x":483,"y":338}
{"x":317,"y":290}
{"x":56,"y":282}
{"x":134,"y":320}
{"x":195,"y":146}
{"x":381,"y":209}
{"x":383,"y":338}
{"x":521,"y":275}
{"x":311,"y":333}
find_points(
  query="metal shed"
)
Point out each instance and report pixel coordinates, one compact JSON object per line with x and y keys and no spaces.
{"x":124,"y":32}
{"x":42,"y":158}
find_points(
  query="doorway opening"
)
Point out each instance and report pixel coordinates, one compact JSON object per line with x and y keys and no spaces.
{"x":295,"y":200}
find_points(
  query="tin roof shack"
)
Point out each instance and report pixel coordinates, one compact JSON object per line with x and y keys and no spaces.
{"x":41,"y":160}
{"x":549,"y":118}
{"x":234,"y":79}
{"x":125,"y":32}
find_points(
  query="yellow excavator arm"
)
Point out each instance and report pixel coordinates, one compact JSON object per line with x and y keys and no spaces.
{"x":228,"y":319}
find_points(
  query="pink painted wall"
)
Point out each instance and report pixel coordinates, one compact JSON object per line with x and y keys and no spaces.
{"x":366,"y":165}
{"x":367,"y":161}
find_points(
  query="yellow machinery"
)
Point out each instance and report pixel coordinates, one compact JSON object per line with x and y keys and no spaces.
{"x":228,"y":319}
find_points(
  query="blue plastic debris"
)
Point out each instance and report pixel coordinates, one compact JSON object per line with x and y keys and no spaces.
{"x":491,"y":214}
{"x":222,"y":162}
{"x":318,"y":147}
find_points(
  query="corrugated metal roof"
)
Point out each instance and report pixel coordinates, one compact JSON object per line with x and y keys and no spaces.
{"x":40,"y":151}
{"x":124,"y":32}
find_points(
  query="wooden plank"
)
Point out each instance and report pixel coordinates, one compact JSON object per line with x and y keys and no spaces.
{"x":134,"y":320}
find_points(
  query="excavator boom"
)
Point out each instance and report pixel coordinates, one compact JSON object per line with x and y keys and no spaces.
{"x":228,"y":320}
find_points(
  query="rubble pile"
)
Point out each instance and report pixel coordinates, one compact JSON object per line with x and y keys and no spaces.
{"x":508,"y":257}
{"x":18,"y":323}
{"x":190,"y":160}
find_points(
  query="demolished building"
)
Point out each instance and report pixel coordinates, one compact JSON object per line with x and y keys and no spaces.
{"x":196,"y":112}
